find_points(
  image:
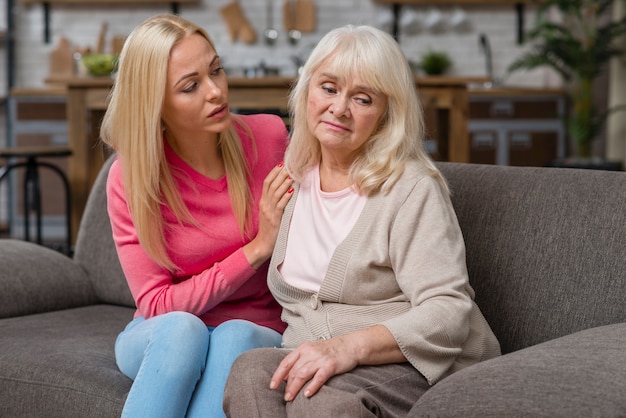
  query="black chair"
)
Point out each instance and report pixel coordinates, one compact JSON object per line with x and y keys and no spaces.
{"x":28,"y":157}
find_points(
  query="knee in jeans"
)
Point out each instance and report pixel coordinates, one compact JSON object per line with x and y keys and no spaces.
{"x":183,"y":322}
{"x":186,"y":328}
{"x":238,"y":331}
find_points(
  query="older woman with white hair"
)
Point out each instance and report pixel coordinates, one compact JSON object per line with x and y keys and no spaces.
{"x":369,"y":265}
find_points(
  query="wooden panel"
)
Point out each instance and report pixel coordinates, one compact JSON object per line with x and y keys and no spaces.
{"x":40,"y":111}
{"x":528,"y":148}
{"x":483,"y":147}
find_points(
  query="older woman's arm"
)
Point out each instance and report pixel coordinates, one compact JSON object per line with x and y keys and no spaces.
{"x":427,"y":256}
{"x":316,"y":362}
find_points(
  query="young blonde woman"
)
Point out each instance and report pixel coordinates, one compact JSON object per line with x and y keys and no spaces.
{"x":195,"y":199}
{"x":369,"y":265}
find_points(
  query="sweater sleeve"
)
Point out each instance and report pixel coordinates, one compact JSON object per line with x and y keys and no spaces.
{"x":153,"y":287}
{"x":427,"y":253}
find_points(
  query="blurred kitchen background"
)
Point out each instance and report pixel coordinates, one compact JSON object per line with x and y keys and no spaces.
{"x":512,"y":119}
{"x":454,"y":28}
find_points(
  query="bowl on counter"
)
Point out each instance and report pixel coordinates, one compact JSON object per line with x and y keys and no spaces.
{"x":99,"y":65}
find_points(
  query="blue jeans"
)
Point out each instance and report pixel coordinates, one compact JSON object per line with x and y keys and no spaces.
{"x":180,"y":366}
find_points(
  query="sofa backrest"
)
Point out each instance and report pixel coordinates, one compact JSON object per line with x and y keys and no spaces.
{"x":546,"y":247}
{"x":95,"y":249}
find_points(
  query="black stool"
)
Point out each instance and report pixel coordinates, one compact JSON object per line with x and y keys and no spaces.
{"x":32,"y":191}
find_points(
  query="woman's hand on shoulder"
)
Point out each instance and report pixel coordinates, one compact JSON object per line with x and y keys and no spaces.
{"x":277,"y":191}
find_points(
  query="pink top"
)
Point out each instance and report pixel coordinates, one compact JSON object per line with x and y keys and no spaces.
{"x":324,"y":218}
{"x":215,"y":280}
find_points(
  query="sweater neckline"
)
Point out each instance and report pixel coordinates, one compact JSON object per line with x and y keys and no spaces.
{"x":179,"y":164}
{"x":331,"y":287}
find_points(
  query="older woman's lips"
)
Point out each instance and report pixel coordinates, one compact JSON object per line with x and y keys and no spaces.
{"x":336,"y":126}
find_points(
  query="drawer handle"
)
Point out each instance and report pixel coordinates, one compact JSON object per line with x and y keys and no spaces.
{"x":521,"y":140}
{"x":502,"y":108}
{"x":484,"y":140}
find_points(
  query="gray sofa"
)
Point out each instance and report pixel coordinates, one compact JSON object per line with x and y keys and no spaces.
{"x":546,"y":251}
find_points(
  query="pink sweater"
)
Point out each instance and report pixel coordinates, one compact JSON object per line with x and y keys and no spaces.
{"x":215,"y":280}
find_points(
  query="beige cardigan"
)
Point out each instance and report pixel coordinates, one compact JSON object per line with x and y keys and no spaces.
{"x":402,"y":266}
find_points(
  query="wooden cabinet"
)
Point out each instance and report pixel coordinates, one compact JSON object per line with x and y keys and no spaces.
{"x":522,"y":127}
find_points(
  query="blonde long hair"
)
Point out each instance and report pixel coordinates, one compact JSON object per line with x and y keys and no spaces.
{"x":377,"y":59}
{"x":132,"y":126}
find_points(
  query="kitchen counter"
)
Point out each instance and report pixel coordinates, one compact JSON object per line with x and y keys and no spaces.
{"x":514,"y":91}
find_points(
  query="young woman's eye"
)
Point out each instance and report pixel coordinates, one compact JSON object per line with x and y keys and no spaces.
{"x":190,"y":87}
{"x":217,"y":71}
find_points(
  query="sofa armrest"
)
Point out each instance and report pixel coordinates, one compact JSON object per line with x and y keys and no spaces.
{"x":36,"y":279}
{"x":579,"y":375}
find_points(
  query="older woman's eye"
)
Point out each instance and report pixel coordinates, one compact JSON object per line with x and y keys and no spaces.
{"x":328,"y":89}
{"x":364,"y":100}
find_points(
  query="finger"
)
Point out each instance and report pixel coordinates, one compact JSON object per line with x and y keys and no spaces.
{"x":298,"y":376}
{"x":320,"y":378}
{"x":282,"y":371}
{"x":279,"y":191}
{"x":275,"y":177}
{"x":285,"y":188}
{"x":284,"y":199}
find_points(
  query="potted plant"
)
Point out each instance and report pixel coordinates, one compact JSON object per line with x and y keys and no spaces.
{"x":578,"y":48}
{"x":435,"y":62}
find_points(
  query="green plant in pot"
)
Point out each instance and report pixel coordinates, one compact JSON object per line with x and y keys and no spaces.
{"x":435,"y":62}
{"x":578,"y":48}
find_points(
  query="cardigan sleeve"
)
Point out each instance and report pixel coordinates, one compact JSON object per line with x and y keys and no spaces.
{"x":427,"y":254}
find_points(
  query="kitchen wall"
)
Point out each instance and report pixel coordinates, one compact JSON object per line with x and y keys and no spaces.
{"x":81,"y":25}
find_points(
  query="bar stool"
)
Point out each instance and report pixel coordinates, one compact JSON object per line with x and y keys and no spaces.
{"x":28,"y":157}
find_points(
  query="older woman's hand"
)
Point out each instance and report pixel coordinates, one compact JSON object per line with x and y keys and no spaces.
{"x":316,"y":362}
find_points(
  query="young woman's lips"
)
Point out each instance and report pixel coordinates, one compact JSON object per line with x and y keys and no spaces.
{"x":219,"y":112}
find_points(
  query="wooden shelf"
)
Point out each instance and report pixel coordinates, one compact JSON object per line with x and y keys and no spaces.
{"x":47,"y":3}
{"x":103,"y":2}
{"x":518,"y":4}
{"x":460,"y":2}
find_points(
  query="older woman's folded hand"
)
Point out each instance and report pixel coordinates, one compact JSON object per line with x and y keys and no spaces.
{"x":316,"y":362}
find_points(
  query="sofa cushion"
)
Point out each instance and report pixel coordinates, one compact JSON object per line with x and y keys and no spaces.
{"x":62,"y":364}
{"x":37,"y":279}
{"x":95,"y":250}
{"x":579,"y":375}
{"x":545,"y":248}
